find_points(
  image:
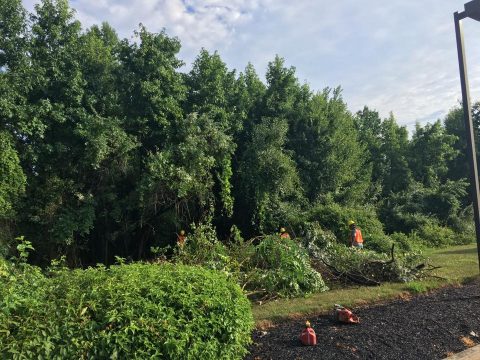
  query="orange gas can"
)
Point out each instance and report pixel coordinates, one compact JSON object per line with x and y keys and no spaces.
{"x":344,"y":315}
{"x":308,"y":336}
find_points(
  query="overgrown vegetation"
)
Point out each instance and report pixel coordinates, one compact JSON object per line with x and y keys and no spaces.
{"x":283,"y":267}
{"x":265,"y":267}
{"x":108,"y":149}
{"x":456,"y":265}
{"x":132,"y":311}
{"x":372,"y":268}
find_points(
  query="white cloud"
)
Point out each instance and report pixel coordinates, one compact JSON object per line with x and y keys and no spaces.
{"x":395,"y":56}
{"x":208,"y":23}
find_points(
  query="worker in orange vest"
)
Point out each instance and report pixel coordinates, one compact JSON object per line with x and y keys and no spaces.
{"x":284,"y":234}
{"x":181,"y":238}
{"x":356,"y":238}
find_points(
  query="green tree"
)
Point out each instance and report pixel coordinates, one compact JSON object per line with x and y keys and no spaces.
{"x":13,"y":31}
{"x":109,"y":152}
{"x":151,"y":92}
{"x":455,"y":125}
{"x":330,"y":157}
{"x":369,"y":126}
{"x":12,"y":179}
{"x":269,"y":183}
{"x":395,"y":146}
{"x":59,"y":217}
{"x":212,"y":91}
{"x":250,"y":91}
{"x":269,"y":179}
{"x":211,"y":87}
{"x":431,"y":149}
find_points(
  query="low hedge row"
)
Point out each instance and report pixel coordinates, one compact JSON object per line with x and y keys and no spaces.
{"x":135,"y":311}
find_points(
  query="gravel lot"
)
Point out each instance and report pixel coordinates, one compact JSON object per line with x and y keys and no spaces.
{"x":430,"y":326}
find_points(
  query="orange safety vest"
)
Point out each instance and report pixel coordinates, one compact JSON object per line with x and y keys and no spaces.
{"x":181,"y":240}
{"x":285,"y":235}
{"x":358,"y":236}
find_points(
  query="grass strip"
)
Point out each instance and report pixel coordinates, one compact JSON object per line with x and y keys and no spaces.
{"x":458,"y":264}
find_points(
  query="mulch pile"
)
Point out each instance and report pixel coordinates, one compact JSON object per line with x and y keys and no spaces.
{"x":431,"y":326}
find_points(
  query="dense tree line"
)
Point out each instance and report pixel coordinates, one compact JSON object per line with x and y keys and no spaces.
{"x":108,"y":148}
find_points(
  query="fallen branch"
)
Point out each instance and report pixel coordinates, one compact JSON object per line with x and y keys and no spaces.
{"x":357,"y":278}
{"x":371,"y":272}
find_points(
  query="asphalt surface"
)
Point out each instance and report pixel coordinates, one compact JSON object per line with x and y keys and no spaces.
{"x":431,"y":326}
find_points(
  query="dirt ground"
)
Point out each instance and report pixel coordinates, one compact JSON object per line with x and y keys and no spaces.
{"x":431,"y":326}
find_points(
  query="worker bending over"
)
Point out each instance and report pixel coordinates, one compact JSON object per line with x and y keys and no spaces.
{"x":284,"y":234}
{"x":181,"y":238}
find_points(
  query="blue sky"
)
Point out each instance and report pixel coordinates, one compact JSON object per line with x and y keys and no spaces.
{"x":396,"y":55}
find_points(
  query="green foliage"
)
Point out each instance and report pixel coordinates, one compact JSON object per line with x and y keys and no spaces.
{"x":408,"y":243}
{"x":419,"y":205}
{"x":315,"y":238}
{"x":369,"y":126}
{"x":367,"y":264}
{"x":282,"y":267}
{"x":12,"y":28}
{"x":203,"y":248}
{"x":416,"y":287}
{"x":464,"y":238}
{"x":327,"y":149}
{"x":431,"y":149}
{"x":133,"y":311}
{"x":12,"y":178}
{"x":335,"y":217}
{"x":435,"y":235}
{"x":211,"y":92}
{"x":378,"y":243}
{"x":12,"y":187}
{"x":107,"y":147}
{"x":395,"y":146}
{"x":268,"y":175}
{"x":458,"y":167}
{"x":24,"y":247}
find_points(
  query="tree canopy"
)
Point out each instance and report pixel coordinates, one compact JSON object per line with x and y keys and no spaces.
{"x":108,"y":148}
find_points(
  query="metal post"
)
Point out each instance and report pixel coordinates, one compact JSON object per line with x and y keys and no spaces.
{"x":467,"y":114}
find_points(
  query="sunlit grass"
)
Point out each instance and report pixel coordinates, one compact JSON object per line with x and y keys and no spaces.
{"x":457,"y":264}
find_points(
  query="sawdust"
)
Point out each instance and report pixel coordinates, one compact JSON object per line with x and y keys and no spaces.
{"x":264,"y":325}
{"x":467,"y":341}
{"x":405,"y":296}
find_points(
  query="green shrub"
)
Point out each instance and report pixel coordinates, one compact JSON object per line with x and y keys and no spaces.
{"x":334,"y":217}
{"x":397,"y":221}
{"x":419,"y":205}
{"x":464,"y":238}
{"x":378,"y":243}
{"x":345,"y":258}
{"x":3,"y":248}
{"x":135,"y":311}
{"x":240,"y":254}
{"x":282,"y":267}
{"x":203,"y":248}
{"x":313,"y":232}
{"x":464,"y":226}
{"x":406,"y":242}
{"x":435,"y":235}
{"x":314,"y":238}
